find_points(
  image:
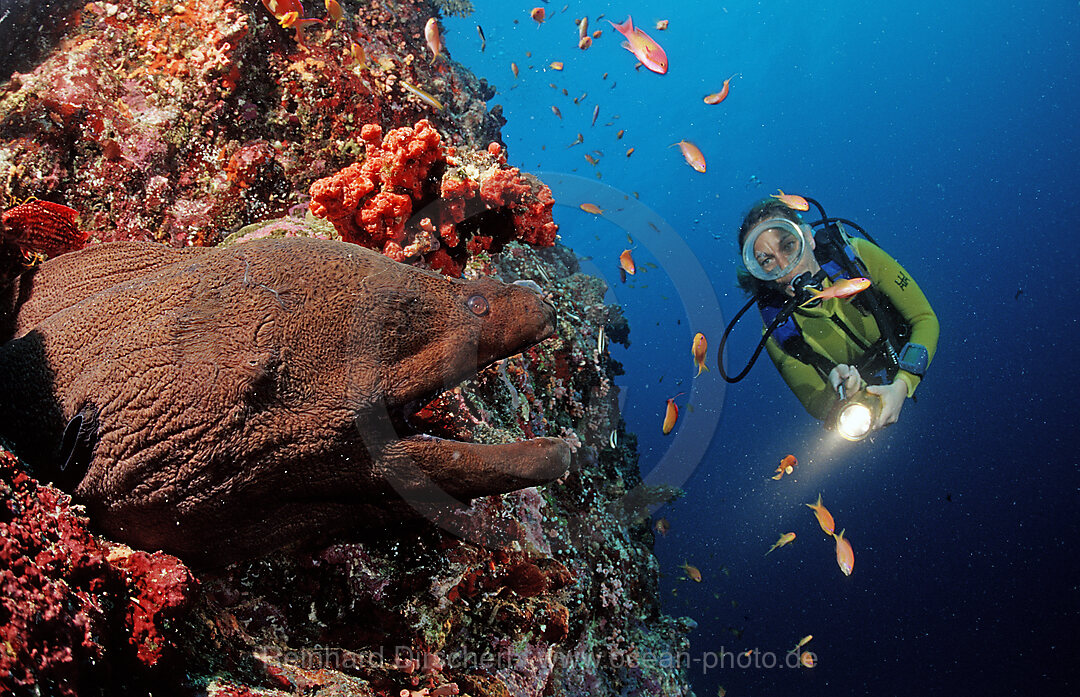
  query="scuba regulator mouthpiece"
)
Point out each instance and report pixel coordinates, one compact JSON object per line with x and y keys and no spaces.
{"x":804,"y":283}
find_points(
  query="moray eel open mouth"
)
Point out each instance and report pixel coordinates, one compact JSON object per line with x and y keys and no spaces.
{"x":444,"y":466}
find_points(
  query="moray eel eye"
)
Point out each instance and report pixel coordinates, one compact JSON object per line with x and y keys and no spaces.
{"x":479,"y":305}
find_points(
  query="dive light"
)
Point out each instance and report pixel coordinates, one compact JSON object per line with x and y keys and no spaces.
{"x":854,"y":417}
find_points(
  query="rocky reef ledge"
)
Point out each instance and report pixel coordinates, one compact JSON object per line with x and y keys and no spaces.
{"x":205,"y":122}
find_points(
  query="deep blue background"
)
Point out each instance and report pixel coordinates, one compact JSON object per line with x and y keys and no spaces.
{"x":948,"y":131}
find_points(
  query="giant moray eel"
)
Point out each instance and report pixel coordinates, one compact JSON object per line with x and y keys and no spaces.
{"x":218,"y":403}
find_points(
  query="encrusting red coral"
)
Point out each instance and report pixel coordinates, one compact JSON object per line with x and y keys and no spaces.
{"x":52,"y":572}
{"x":64,"y":598}
{"x":161,"y":588}
{"x":382,"y":201}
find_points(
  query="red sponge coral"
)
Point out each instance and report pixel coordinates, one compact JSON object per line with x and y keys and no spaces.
{"x":407,"y":179}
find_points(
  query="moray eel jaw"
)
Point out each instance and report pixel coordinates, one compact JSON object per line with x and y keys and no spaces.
{"x":425,"y":469}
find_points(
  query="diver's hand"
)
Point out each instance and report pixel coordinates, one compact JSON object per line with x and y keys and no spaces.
{"x":892,"y":401}
{"x":848,"y":375}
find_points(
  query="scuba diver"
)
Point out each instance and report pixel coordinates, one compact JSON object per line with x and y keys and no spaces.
{"x":852,"y":363}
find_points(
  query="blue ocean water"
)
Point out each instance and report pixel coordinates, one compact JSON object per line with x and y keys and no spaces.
{"x":948,"y":131}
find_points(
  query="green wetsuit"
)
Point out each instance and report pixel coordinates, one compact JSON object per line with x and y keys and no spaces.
{"x":826,"y":338}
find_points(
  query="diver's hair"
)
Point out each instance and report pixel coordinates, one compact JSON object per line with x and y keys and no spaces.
{"x":762,"y":210}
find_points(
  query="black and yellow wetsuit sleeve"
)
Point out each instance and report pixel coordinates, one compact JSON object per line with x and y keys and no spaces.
{"x":906,"y":296}
{"x":824,"y":336}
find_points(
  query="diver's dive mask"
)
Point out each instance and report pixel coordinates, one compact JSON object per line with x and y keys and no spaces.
{"x":780,"y":251}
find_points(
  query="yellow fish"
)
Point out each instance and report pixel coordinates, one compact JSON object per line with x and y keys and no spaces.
{"x":433,"y":34}
{"x":698,"y":350}
{"x":692,"y":155}
{"x":692,"y":572}
{"x":786,"y":538}
{"x":791,"y":200}
{"x":845,"y":555}
{"x":824,"y":518}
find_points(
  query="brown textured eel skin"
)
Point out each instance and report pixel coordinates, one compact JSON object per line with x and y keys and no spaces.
{"x":218,"y":403}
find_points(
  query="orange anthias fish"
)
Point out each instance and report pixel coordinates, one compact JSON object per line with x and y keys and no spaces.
{"x":806,"y":658}
{"x":786,"y":466}
{"x":786,"y":538}
{"x":824,"y":518}
{"x":626,"y":262}
{"x":692,"y":155}
{"x":433,"y":34}
{"x":845,"y":555}
{"x":842,"y":289}
{"x":717,"y":97}
{"x":538,"y":14}
{"x":290,"y":15}
{"x":803,"y":642}
{"x":334,"y":10}
{"x":597,"y":210}
{"x":671,"y":415}
{"x":663,"y":526}
{"x":692,"y":572}
{"x":642,"y":46}
{"x":793,"y":201}
{"x":698,"y":350}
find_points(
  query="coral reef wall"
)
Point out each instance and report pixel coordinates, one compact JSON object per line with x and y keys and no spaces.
{"x":180,"y":121}
{"x":189,"y":122}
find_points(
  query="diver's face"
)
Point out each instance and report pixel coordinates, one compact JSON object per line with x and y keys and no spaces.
{"x":775,"y":248}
